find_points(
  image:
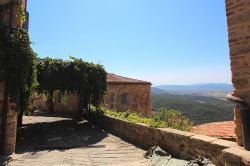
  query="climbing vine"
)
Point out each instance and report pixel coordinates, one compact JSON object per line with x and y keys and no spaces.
{"x":86,"y":80}
{"x":17,"y":65}
{"x":18,"y":4}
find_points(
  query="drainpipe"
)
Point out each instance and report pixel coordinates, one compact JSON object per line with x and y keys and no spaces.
{"x":245,"y":117}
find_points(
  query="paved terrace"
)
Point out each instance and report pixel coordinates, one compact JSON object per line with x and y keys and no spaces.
{"x":63,"y":141}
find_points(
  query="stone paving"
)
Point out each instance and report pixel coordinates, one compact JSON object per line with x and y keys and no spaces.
{"x":61,"y":141}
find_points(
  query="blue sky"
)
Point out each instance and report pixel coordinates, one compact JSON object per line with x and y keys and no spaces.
{"x":161,"y":41}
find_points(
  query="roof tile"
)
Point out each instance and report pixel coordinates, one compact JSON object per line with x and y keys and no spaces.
{"x":113,"y":78}
{"x":224,"y":130}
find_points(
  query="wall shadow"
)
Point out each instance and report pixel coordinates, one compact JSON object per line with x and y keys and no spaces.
{"x":58,"y":135}
{"x":4,"y":159}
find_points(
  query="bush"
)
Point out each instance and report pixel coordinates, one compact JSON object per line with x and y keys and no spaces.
{"x":172,"y":118}
{"x":162,"y":119}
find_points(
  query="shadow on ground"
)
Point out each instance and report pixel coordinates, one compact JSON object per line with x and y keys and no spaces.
{"x":4,"y":160}
{"x":58,"y":135}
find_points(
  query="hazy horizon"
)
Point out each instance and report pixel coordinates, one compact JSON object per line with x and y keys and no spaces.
{"x":193,"y":84}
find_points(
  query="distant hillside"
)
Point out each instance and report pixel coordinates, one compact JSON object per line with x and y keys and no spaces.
{"x":200,"y":109}
{"x":218,"y":90}
{"x":196,"y":87}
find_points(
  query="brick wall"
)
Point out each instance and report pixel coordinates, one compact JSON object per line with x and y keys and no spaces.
{"x":11,"y":124}
{"x":138,"y":97}
{"x":11,"y":128}
{"x":238,"y":20}
{"x":11,"y":119}
{"x":4,"y":16}
{"x":238,"y":128}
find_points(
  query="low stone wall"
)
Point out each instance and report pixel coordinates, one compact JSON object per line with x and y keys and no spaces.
{"x":180,"y":144}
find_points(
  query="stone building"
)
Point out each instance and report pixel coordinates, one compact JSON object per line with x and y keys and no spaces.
{"x":123,"y":94}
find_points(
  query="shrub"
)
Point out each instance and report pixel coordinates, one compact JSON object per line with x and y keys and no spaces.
{"x":172,"y":118}
{"x":162,"y":119}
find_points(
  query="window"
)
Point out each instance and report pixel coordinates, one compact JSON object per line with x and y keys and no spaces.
{"x":124,"y":98}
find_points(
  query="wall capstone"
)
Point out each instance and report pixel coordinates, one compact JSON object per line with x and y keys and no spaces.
{"x":180,"y":144}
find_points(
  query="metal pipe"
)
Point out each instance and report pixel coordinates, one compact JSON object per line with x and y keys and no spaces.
{"x":245,"y":117}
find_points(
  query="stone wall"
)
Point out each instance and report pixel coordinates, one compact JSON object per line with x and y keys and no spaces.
{"x":238,"y":128}
{"x":38,"y":102}
{"x":4,"y":16}
{"x":138,"y":97}
{"x":180,"y":144}
{"x":11,"y":119}
{"x":70,"y":106}
{"x":11,"y":124}
{"x":238,"y":20}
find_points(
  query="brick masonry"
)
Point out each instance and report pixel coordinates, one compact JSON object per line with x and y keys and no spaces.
{"x":238,"y":21}
{"x":11,"y":125}
{"x":184,"y":145}
{"x":4,"y":16}
{"x":238,"y":128}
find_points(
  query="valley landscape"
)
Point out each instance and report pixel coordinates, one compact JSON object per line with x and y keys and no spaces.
{"x":201,"y":103}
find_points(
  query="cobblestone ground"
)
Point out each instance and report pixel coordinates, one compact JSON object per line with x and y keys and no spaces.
{"x":61,"y":141}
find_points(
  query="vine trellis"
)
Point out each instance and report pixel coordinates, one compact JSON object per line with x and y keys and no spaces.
{"x":86,"y":80}
{"x":19,"y":67}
